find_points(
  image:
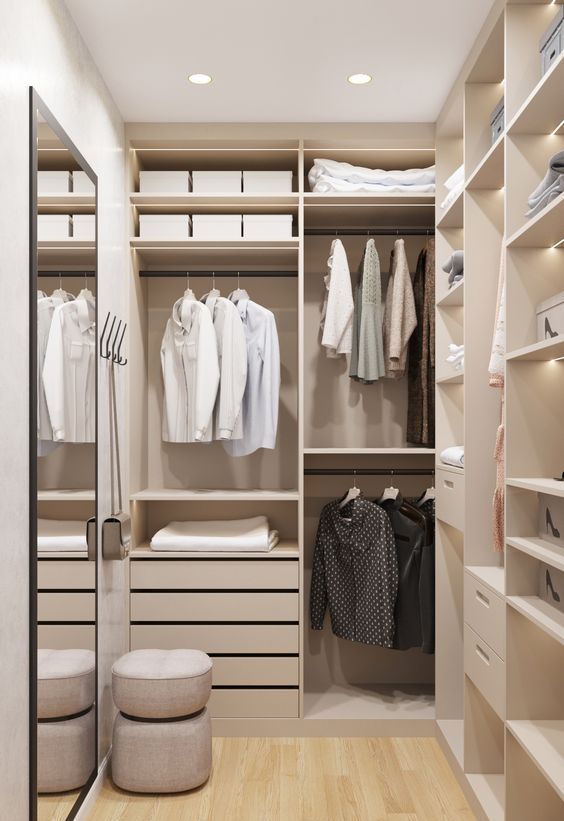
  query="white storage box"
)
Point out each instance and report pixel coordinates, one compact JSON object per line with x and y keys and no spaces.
{"x":53,"y":226}
{"x":53,"y":182}
{"x":82,"y":184}
{"x":216,"y":182}
{"x":497,"y":120}
{"x":550,"y":317}
{"x":551,"y":519}
{"x":267,"y":226}
{"x":84,"y":226}
{"x":164,"y":226}
{"x":267,"y":182}
{"x":551,"y":586}
{"x":216,"y":226}
{"x":164,"y":182}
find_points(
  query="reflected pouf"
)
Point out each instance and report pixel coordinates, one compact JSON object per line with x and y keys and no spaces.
{"x":65,"y":752}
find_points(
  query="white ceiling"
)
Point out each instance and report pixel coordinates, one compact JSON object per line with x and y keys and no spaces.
{"x":279,"y":60}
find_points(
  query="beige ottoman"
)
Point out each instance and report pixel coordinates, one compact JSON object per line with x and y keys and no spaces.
{"x":162,"y":735}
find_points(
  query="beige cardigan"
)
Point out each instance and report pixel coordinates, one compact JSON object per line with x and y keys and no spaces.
{"x":400,"y":318}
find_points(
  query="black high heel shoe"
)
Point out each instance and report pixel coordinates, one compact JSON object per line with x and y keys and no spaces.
{"x":548,"y":332}
{"x":549,"y":523}
{"x":550,"y":586}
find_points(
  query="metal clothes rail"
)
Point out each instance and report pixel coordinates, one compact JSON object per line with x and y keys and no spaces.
{"x":369,"y":232}
{"x":369,"y":472}
{"x":218,"y":274}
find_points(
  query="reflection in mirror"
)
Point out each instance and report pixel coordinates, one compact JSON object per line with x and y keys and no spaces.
{"x":64,"y":436}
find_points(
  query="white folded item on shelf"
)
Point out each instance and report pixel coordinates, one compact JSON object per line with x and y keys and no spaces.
{"x":325,"y":184}
{"x":356,"y":174}
{"x":240,"y":535}
{"x":453,"y":456}
{"x":454,"y":186}
{"x":61,"y":535}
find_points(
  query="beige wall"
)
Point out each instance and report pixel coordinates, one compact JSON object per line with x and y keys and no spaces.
{"x":41,"y":47}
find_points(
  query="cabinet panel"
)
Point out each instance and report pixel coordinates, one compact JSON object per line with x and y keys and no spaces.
{"x":217,"y":638}
{"x":244,"y":606}
{"x":486,"y":669}
{"x":215,"y":574}
{"x":484,"y":612}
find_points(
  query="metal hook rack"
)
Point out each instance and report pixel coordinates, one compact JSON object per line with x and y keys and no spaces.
{"x":110,"y":347}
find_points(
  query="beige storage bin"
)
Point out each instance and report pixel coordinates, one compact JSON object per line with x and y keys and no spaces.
{"x":216,"y":182}
{"x":53,"y":226}
{"x":82,"y":184}
{"x":66,"y":574}
{"x":267,"y":226}
{"x":485,"y":668}
{"x":216,"y":226}
{"x":450,"y":497}
{"x":267,"y":182}
{"x":225,"y":607}
{"x":209,"y":574}
{"x":164,"y":182}
{"x":484,"y":612}
{"x":550,"y":317}
{"x":84,"y":226}
{"x":72,"y":607}
{"x":164,"y":226}
{"x":53,"y":182}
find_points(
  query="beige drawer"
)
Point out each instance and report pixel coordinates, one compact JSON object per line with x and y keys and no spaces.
{"x":254,"y":704}
{"x":450,"y":497}
{"x":217,"y":638}
{"x":58,"y":574}
{"x":66,"y":607}
{"x":248,"y":606}
{"x":486,"y":669}
{"x":257,"y":671}
{"x":215,"y":574}
{"x":66,"y":637}
{"x":484,"y":612}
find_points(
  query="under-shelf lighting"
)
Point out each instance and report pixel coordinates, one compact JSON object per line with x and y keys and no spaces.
{"x":200,"y":79}
{"x":557,"y":129}
{"x":558,"y":244}
{"x":359,"y":79}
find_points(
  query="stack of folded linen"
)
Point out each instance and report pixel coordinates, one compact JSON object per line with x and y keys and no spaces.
{"x":456,"y":356}
{"x":329,"y":175}
{"x":453,"y":456}
{"x":454,"y":267}
{"x":61,"y":536}
{"x":550,"y":187}
{"x":454,"y":186}
{"x":240,"y":535}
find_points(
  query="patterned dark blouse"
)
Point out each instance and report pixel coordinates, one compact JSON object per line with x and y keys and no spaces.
{"x":355,"y":572}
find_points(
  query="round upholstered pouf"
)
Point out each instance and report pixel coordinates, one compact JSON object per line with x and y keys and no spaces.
{"x":66,"y":682}
{"x":161,"y":756}
{"x":66,"y":753}
{"x":162,"y":683}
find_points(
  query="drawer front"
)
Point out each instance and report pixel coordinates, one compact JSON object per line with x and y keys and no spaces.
{"x":450,"y":497}
{"x":484,"y":612}
{"x":217,"y":638}
{"x":66,"y":637}
{"x":244,"y":606}
{"x":265,"y":671}
{"x":66,"y":607}
{"x":484,"y":667}
{"x":215,"y":574}
{"x":65,"y":575}
{"x":254,"y":704}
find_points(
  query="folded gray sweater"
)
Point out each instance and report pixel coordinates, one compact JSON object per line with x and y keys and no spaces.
{"x":550,"y":187}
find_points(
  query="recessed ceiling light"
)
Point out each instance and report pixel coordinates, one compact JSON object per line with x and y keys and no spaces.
{"x":359,"y":79}
{"x":200,"y":79}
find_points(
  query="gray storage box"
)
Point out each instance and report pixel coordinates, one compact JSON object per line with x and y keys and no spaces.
{"x":550,"y":317}
{"x":497,"y":120}
{"x":552,"y":41}
{"x":551,"y":586}
{"x":551,"y":519}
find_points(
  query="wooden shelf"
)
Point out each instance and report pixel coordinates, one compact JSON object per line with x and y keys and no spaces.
{"x":285,"y":549}
{"x":539,"y":549}
{"x":489,"y":174}
{"x":407,"y":701}
{"x":543,"y":741}
{"x":368,"y":198}
{"x":544,"y":615}
{"x":452,"y":730}
{"x":538,"y":485}
{"x":369,"y":451}
{"x":66,"y":495}
{"x":451,"y":468}
{"x":454,"y":298}
{"x":69,"y":555}
{"x":173,"y":495}
{"x":543,"y":351}
{"x":493,"y":577}
{"x":542,"y":112}
{"x":216,"y":155}
{"x":453,"y":217}
{"x":66,"y":203}
{"x":242,"y":253}
{"x":74,"y":253}
{"x":489,"y":789}
{"x":222,"y":203}
{"x":454,"y":379}
{"x":545,"y":230}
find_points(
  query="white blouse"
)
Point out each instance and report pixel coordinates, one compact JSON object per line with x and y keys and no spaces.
{"x":338,"y":308}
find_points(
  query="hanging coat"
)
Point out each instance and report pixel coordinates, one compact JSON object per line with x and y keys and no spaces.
{"x":421,"y":364}
{"x":367,"y":359}
{"x":399,"y":314}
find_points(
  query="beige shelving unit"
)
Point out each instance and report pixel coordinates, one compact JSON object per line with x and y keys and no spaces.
{"x":500,"y":655}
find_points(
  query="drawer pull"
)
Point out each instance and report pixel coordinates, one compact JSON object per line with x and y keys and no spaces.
{"x":484,"y":656}
{"x":449,"y":484}
{"x":482,"y":599}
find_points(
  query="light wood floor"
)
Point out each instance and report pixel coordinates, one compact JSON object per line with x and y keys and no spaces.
{"x":308,"y":779}
{"x":55,"y":807}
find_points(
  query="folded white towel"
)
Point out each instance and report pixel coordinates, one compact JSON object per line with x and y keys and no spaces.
{"x":325,"y":184}
{"x":456,"y":179}
{"x":64,"y":536}
{"x":250,"y":535}
{"x":453,"y":456}
{"x":356,"y":174}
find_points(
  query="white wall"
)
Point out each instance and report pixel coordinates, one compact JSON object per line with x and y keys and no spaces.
{"x":41,"y":47}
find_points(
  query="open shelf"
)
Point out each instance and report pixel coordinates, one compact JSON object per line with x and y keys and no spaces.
{"x":545,"y":230}
{"x":368,"y":156}
{"x":147,"y":203}
{"x":489,"y":173}
{"x":452,"y":730}
{"x":489,"y":789}
{"x":174,"y":495}
{"x":539,"y":549}
{"x":543,"y":741}
{"x":369,"y":451}
{"x":66,"y":203}
{"x":454,"y":379}
{"x":66,"y":495}
{"x":451,"y":468}
{"x":543,"y":351}
{"x":285,"y":549}
{"x":216,"y":155}
{"x":542,"y":113}
{"x":539,"y":485}
{"x":543,"y":615}
{"x":374,"y":701}
{"x":368,"y":198}
{"x":69,"y":555}
{"x":240,"y":253}
{"x":453,"y":217}
{"x":454,"y":298}
{"x":493,"y":577}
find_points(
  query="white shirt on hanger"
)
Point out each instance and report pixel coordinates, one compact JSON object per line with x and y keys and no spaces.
{"x":190,"y":372}
{"x":338,"y":308}
{"x":45,"y":309}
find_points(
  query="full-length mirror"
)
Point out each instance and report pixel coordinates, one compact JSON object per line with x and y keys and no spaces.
{"x":63,"y":451}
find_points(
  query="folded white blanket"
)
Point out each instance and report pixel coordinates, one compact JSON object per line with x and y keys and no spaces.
{"x":357,"y":175}
{"x":453,"y":456}
{"x":64,"y":536}
{"x":454,"y":186}
{"x":250,"y":535}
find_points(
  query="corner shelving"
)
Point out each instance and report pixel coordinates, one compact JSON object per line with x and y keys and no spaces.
{"x":542,"y":614}
{"x":545,"y":230}
{"x":542,"y":113}
{"x":453,"y":216}
{"x":489,"y":174}
{"x":554,"y":487}
{"x":543,"y":741}
{"x":454,"y":298}
{"x":539,"y":549}
{"x":545,"y":351}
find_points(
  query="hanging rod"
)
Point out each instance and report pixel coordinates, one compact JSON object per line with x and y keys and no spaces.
{"x":82,"y":273}
{"x":369,"y":232}
{"x":369,"y":472}
{"x":217,"y":274}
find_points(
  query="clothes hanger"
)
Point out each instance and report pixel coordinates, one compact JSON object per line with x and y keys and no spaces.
{"x":390,"y":492}
{"x":429,"y":495}
{"x":188,"y":293}
{"x":60,"y":293}
{"x":351,"y":494}
{"x":239,"y":293}
{"x":215,"y":292}
{"x":86,"y":293}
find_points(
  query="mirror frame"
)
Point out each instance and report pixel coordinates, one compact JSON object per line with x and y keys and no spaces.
{"x":37,"y":105}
